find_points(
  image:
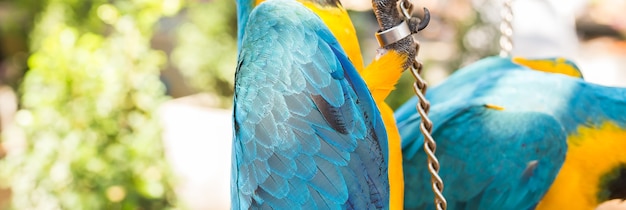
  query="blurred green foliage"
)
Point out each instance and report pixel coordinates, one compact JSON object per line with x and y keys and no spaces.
{"x":89,"y":103}
{"x":206,"y":48}
{"x":477,"y":35}
{"x":16,"y":23}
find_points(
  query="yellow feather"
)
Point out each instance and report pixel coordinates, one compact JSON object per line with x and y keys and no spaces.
{"x":383,"y":73}
{"x":493,"y":106}
{"x":557,"y":65}
{"x":591,"y":154}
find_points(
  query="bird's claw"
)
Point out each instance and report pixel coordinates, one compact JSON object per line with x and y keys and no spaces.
{"x":397,"y":25}
{"x":424,"y":20}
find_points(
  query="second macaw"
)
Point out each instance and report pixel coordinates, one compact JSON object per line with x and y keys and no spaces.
{"x":505,"y":128}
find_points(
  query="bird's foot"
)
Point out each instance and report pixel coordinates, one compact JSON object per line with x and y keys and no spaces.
{"x":397,"y":25}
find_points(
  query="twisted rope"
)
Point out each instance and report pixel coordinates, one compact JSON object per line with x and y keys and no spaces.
{"x":506,"y":29}
{"x":426,"y":126}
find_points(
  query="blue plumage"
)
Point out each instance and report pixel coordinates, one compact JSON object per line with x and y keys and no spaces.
{"x":502,"y":82}
{"x":501,"y":159}
{"x":307,"y":132}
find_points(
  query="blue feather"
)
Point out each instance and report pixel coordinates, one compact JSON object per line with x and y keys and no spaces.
{"x":305,"y":123}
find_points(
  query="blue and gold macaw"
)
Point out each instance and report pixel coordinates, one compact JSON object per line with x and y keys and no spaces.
{"x":305,"y":124}
{"x":307,"y":131}
{"x":505,"y":127}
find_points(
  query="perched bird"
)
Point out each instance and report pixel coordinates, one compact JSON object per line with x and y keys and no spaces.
{"x":307,"y":131}
{"x":501,"y":127}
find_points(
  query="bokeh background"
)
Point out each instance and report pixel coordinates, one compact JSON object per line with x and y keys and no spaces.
{"x":118,"y":104}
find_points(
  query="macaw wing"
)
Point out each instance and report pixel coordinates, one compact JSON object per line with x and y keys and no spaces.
{"x":572,"y":101}
{"x":467,"y":80}
{"x":307,"y":132}
{"x":459,"y":88}
{"x":461,"y":83}
{"x":490,"y":159}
